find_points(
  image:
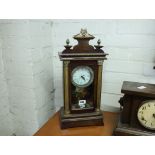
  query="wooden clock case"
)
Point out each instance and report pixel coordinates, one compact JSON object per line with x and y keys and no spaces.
{"x":82,"y":54}
{"x":130,"y":102}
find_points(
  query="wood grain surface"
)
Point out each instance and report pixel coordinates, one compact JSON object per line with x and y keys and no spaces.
{"x":52,"y":127}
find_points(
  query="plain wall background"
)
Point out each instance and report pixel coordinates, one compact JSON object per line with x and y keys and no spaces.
{"x":26,"y":54}
{"x":31,"y":72}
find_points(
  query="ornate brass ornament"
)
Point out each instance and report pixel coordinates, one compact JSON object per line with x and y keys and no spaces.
{"x":83,"y":35}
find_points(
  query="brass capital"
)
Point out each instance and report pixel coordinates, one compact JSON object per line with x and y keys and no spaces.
{"x":100,"y":62}
{"x":66,"y":63}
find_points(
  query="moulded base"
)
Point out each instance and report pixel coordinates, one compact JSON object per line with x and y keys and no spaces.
{"x":79,"y":120}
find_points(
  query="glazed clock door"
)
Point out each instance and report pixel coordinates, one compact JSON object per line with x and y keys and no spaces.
{"x":83,"y":86}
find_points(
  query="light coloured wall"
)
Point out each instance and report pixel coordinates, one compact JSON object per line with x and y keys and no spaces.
{"x":131,"y":48}
{"x":27,"y":57}
{"x":5,"y":115}
{"x":41,"y":53}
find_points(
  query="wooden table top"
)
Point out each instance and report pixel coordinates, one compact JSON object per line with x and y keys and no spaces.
{"x":52,"y":127}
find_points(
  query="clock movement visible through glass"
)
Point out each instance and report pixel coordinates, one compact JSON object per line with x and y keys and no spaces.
{"x":82,"y":79}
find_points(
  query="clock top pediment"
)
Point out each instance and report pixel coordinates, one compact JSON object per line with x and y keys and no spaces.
{"x":83,"y":50}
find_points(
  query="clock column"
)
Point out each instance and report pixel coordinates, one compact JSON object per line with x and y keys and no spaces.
{"x":99,"y":84}
{"x":66,"y":88}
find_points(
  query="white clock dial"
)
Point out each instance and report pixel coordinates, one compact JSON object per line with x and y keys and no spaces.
{"x":146,"y":114}
{"x":82,"y":76}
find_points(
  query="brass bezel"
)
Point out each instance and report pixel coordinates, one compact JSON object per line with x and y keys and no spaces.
{"x":90,"y":81}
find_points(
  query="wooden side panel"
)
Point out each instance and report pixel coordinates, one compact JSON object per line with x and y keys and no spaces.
{"x":126,"y":112}
{"x":135,"y":105}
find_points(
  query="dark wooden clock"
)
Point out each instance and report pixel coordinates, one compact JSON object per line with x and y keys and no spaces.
{"x":82,"y":81}
{"x":137,"y":109}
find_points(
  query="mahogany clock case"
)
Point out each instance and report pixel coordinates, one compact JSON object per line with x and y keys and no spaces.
{"x":86,"y":56}
{"x":130,"y":103}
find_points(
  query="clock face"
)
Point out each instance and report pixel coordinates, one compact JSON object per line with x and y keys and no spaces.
{"x":146,"y":114}
{"x":82,"y":76}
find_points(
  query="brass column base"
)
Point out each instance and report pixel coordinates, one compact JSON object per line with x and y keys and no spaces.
{"x":79,"y":120}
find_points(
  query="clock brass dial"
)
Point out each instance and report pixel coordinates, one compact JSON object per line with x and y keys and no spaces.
{"x":82,"y":76}
{"x":146,"y":114}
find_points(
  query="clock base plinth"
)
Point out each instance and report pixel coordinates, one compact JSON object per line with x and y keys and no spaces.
{"x":126,"y":130}
{"x":80,"y":120}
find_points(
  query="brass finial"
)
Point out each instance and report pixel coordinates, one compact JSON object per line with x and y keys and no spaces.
{"x":83,"y":32}
{"x":67,"y":46}
{"x":83,"y":35}
{"x":99,"y":46}
{"x":99,"y":42}
{"x":67,"y":42}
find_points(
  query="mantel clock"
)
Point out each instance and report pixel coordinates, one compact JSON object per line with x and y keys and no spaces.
{"x":82,"y":81}
{"x":137,"y":109}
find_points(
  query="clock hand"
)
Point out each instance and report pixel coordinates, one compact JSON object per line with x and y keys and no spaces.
{"x":154,"y":115}
{"x":83,"y":77}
